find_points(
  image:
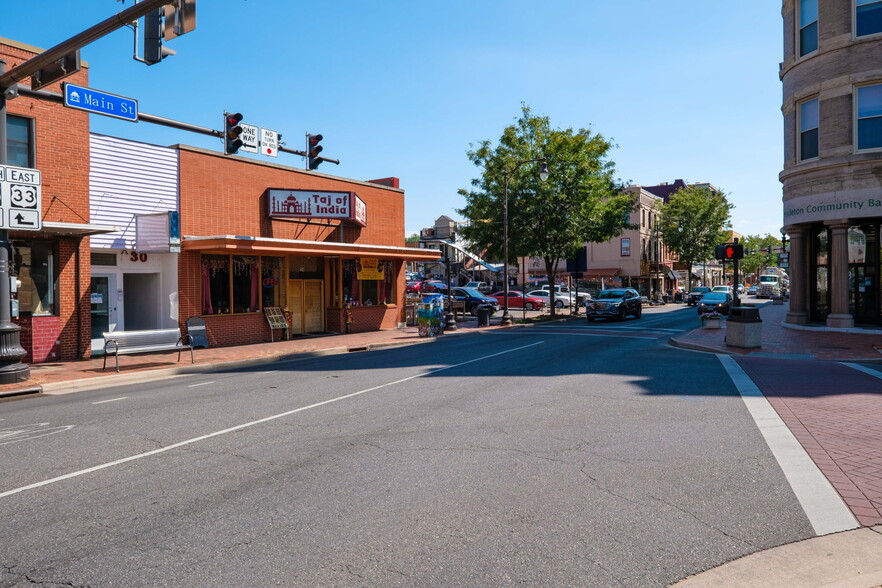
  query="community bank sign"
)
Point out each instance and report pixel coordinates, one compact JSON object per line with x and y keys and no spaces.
{"x":824,"y":208}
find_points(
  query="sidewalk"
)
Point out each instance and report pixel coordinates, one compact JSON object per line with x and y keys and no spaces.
{"x":87,"y":374}
{"x":859,"y":345}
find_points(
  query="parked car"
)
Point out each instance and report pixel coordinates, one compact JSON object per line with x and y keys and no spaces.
{"x":582,"y":297}
{"x":693,"y":297}
{"x":474,"y":300}
{"x":616,"y":303}
{"x":430,"y":286}
{"x":715,"y":301}
{"x":518,"y":300}
{"x":726,"y":289}
{"x":560,"y":300}
{"x":752,"y":290}
{"x":482,"y":287}
{"x":412,"y":287}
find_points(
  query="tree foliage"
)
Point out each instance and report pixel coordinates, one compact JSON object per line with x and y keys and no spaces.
{"x":579,"y":202}
{"x":694,"y":220}
{"x":757,"y":254}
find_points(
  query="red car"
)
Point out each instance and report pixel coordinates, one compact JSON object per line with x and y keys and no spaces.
{"x":518,"y":300}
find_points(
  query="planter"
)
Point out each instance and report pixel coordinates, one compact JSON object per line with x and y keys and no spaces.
{"x":713,"y":323}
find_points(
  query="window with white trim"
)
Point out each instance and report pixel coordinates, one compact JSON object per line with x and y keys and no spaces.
{"x":869,"y":117}
{"x":867,"y":17}
{"x":626,"y":247}
{"x":808,"y":129}
{"x":808,"y":26}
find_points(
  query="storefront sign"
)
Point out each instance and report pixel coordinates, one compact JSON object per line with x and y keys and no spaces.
{"x":309,"y":204}
{"x":369,"y":268}
{"x":858,"y":203}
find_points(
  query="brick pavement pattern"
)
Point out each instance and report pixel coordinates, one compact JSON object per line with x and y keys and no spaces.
{"x":834,"y":412}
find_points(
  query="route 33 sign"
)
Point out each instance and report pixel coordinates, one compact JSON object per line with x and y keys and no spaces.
{"x":20,"y":198}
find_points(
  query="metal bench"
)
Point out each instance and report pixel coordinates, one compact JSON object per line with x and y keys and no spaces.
{"x":118,"y":343}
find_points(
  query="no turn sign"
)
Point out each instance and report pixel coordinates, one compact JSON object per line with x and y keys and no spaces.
{"x":269,"y":142}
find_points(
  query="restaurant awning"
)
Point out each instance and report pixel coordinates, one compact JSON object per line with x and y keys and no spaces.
{"x":269,"y":246}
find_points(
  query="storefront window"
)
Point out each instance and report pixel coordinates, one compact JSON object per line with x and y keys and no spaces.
{"x":34,"y":266}
{"x":271,"y":273}
{"x":368,"y":281}
{"x":857,"y":245}
{"x":240,"y":283}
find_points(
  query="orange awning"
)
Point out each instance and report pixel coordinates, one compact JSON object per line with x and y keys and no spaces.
{"x":268,"y":246}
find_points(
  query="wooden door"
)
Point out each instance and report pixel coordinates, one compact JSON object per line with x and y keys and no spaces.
{"x":306,"y":303}
{"x":313,"y":306}
{"x":295,"y":306}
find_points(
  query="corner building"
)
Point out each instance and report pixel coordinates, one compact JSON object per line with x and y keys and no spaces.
{"x":832,"y":176}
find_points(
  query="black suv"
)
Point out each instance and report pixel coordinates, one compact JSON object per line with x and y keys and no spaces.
{"x":693,"y":297}
{"x":615,"y":304}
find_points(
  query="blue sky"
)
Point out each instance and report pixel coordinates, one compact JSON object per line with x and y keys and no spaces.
{"x":686,"y":88}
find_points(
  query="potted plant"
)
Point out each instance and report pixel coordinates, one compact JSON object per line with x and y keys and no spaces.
{"x":711,"y":320}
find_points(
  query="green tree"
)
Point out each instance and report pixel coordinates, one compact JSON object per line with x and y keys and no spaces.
{"x":412,"y":238}
{"x":694,"y":220}
{"x":758,"y":255}
{"x":579,"y":202}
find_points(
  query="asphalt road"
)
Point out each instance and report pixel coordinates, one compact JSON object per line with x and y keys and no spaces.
{"x":565,"y":454}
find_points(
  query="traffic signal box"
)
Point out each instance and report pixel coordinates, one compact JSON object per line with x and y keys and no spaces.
{"x":729,"y":251}
{"x":232,"y":130}
{"x":312,"y":151}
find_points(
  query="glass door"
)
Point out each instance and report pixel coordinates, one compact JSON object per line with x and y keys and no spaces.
{"x":100,"y":299}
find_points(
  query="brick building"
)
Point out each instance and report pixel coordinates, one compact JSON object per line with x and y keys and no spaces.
{"x":832,"y":107}
{"x":52,"y":265}
{"x":102,"y":263}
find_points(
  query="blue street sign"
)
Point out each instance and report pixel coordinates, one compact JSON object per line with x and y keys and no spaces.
{"x":99,"y":102}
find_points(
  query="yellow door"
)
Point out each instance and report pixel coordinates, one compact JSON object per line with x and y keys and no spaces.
{"x":306,"y":304}
{"x":313,"y":307}
{"x":295,"y":306}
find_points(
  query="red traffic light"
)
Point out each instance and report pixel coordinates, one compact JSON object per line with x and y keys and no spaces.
{"x":314,"y":140}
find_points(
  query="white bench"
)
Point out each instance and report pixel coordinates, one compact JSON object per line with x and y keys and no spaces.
{"x":118,"y":343}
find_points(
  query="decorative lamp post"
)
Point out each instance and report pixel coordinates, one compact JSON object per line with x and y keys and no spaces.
{"x":543,"y":175}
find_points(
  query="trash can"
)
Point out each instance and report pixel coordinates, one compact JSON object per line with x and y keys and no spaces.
{"x":484,"y":316}
{"x":744,"y":327}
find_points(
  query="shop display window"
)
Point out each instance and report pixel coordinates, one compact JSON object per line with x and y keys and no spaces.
{"x":271,"y":273}
{"x":368,"y":281}
{"x":34,"y":266}
{"x":237,"y":284}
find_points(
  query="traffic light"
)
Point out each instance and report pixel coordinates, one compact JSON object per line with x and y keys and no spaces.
{"x":729,"y":251}
{"x":232,"y":130}
{"x":312,"y":151}
{"x":154,"y":52}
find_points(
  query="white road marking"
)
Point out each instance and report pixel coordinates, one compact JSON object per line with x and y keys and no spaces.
{"x":111,"y":400}
{"x":861,"y":368}
{"x":202,"y":384}
{"x":251,"y":424}
{"x":27,"y":432}
{"x":822,"y":504}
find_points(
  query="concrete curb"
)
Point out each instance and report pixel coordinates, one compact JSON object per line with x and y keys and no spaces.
{"x":99,"y":382}
{"x":851,"y":559}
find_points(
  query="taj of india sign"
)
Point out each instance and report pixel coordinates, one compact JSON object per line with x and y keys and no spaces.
{"x":313,"y":204}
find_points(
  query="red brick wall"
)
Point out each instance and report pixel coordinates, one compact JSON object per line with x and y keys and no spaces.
{"x":62,"y":156}
{"x":225,"y":196}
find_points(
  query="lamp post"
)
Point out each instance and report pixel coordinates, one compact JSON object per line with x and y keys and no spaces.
{"x":543,"y":175}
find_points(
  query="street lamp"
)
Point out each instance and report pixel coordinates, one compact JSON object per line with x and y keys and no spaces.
{"x":543,"y":175}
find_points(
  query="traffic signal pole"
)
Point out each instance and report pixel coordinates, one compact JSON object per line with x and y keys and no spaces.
{"x":11,"y":351}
